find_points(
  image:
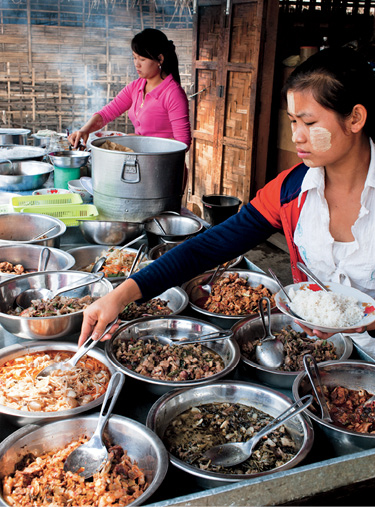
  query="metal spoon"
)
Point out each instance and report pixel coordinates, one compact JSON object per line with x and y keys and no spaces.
{"x":270,"y":351}
{"x":312,"y":372}
{"x":44,"y":258}
{"x":293,"y":314}
{"x":208,"y":337}
{"x":160,"y":226}
{"x":231,"y":454}
{"x":101,"y":261}
{"x":89,"y":458}
{"x":82,"y":350}
{"x":24,"y":298}
{"x":38,"y":236}
{"x":311,"y":275}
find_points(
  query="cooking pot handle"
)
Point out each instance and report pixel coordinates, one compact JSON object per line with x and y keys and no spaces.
{"x":169,"y":213}
{"x":130,"y":170}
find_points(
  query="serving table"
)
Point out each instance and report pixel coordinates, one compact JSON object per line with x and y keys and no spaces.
{"x":322,"y":470}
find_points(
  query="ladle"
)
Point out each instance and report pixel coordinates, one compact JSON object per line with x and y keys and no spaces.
{"x":270,"y":351}
{"x":209,"y":337}
{"x":311,"y":275}
{"x":293,"y":314}
{"x":44,"y":259}
{"x":24,"y":298}
{"x":90,"y":457}
{"x":82,"y":350}
{"x":312,"y":372}
{"x":160,"y":226}
{"x":100,"y":262}
{"x":231,"y":454}
{"x":38,"y":236}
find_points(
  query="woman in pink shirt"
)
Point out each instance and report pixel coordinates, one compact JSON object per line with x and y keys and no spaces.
{"x":156,"y":104}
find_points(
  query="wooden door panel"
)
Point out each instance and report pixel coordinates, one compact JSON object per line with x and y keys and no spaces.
{"x":205,"y":103}
{"x":244,"y":34}
{"x":237,"y":109}
{"x":234,"y":170}
{"x":209,"y":33}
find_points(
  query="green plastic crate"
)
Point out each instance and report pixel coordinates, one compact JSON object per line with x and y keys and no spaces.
{"x":20,"y":202}
{"x":70,"y":214}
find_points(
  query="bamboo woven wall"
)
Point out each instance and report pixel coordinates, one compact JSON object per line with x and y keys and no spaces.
{"x":62,"y":60}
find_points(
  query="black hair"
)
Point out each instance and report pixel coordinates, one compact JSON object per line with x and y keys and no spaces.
{"x":151,"y":43}
{"x":338,"y":78}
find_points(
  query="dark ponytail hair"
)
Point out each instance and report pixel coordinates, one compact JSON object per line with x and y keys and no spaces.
{"x":338,"y":78}
{"x":150,"y":43}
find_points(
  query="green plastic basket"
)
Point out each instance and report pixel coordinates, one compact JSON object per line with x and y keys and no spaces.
{"x":21,"y":201}
{"x":70,"y":214}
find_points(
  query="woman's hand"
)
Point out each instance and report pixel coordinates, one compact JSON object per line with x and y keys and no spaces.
{"x":75,"y":138}
{"x":94,"y":123}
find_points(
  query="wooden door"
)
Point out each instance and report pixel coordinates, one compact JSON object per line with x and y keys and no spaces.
{"x":233,"y":63}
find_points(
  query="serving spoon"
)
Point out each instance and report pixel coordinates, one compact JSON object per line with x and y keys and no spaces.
{"x":101,"y":261}
{"x":233,"y":453}
{"x":311,"y":275}
{"x":41,"y":234}
{"x":44,"y":259}
{"x":90,"y":457}
{"x":82,"y":350}
{"x":208,"y":337}
{"x":313,"y":374}
{"x":23,"y":300}
{"x":293,"y":314}
{"x":270,"y":351}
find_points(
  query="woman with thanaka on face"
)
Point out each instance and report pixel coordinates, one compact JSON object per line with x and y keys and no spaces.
{"x":325,"y":205}
{"x":156,"y":104}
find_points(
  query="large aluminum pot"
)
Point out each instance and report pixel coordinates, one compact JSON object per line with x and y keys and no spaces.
{"x":13,"y":136}
{"x":139,"y":184}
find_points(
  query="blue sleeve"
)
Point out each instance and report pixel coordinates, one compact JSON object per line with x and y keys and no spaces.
{"x":221,"y":243}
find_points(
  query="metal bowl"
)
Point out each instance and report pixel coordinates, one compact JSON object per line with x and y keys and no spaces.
{"x":105,"y":232}
{"x":69,"y":159}
{"x":21,"y":152}
{"x":25,"y":175}
{"x":351,"y":375}
{"x":169,"y":406}
{"x":21,"y":227}
{"x":251,"y":329}
{"x":28,"y":256}
{"x":46,"y":328}
{"x":13,"y":136}
{"x":226,"y":321}
{"x":22,"y":417}
{"x":141,"y":444}
{"x":177,"y":228}
{"x":85,"y":255}
{"x":176,"y":327}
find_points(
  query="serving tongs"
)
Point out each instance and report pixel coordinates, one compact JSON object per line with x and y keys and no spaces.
{"x":313,"y":374}
{"x":204,"y":338}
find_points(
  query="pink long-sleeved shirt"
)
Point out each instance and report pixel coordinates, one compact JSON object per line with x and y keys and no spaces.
{"x":164,"y":112}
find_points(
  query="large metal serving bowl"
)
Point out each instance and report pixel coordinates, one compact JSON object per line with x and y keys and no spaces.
{"x":250,"y":329}
{"x":254,"y":278}
{"x":169,"y":406}
{"x":177,"y":228}
{"x":46,"y":328}
{"x":23,"y":175}
{"x":141,"y":444}
{"x":13,"y":136}
{"x":178,"y":328}
{"x":85,"y":255}
{"x":28,"y":256}
{"x":16,"y":228}
{"x":105,"y":232}
{"x":349,"y":374}
{"x":21,"y":152}
{"x":22,"y":417}
{"x":69,"y":159}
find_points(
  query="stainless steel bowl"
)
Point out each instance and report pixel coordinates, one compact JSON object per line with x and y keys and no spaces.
{"x":22,"y":417}
{"x":226,"y":321}
{"x":46,"y":328}
{"x":16,"y":228}
{"x":28,"y":256}
{"x":21,"y":152}
{"x":69,"y":159}
{"x":177,"y":228}
{"x":169,"y":406}
{"x":85,"y":255}
{"x":13,"y":136}
{"x":351,"y":375}
{"x":105,"y":232}
{"x":24,"y":175}
{"x":141,"y":444}
{"x":250,"y":329}
{"x":176,"y":327}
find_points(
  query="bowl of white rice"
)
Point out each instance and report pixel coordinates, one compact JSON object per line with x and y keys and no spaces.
{"x":340,"y":309}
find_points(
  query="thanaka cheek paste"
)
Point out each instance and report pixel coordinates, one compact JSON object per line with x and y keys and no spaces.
{"x":320,"y":138}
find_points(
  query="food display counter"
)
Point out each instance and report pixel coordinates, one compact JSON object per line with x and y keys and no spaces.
{"x":321,"y":471}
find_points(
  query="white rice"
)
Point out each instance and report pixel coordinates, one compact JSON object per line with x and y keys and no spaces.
{"x":16,"y":153}
{"x":326,"y":309}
